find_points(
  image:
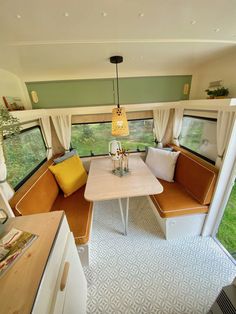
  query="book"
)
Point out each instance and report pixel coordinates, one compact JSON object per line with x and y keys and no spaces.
{"x":12,"y":246}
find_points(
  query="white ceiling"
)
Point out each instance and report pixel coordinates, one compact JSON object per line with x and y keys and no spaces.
{"x":156,"y":37}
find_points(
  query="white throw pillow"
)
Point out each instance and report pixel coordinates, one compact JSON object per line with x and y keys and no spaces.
{"x":162,"y":163}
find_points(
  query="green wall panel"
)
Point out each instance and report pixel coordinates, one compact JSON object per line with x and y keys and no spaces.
{"x":153,"y":89}
{"x":61,"y":94}
{"x":76,"y":93}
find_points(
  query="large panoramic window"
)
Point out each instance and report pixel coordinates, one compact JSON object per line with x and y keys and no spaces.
{"x":24,"y":153}
{"x":199,"y":136}
{"x":93,"y":138}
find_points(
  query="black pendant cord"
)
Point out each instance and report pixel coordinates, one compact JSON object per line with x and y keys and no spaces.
{"x":117,"y":87}
{"x":116,"y":60}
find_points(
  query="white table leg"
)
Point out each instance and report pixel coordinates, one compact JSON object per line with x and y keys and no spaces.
{"x":127,"y":215}
{"x":124,"y":219}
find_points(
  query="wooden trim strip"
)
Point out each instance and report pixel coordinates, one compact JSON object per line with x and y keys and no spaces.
{"x":84,"y":239}
{"x":106,"y":117}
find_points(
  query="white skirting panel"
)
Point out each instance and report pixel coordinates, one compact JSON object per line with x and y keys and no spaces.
{"x":83,"y":251}
{"x":180,"y":226}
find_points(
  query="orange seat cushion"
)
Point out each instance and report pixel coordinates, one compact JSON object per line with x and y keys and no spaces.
{"x":176,"y":201}
{"x":78,"y":213}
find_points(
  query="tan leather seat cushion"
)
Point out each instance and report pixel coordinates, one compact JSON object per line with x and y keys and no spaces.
{"x":40,"y":197}
{"x":78,"y":213}
{"x":197,"y":179}
{"x":175,"y":201}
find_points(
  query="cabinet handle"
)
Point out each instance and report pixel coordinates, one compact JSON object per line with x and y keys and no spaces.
{"x":64,"y":276}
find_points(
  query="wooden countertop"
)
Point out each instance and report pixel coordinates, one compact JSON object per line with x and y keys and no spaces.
{"x":19,"y":285}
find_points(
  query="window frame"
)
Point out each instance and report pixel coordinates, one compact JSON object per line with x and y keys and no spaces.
{"x":99,"y":155}
{"x":38,"y":166}
{"x":192,"y":151}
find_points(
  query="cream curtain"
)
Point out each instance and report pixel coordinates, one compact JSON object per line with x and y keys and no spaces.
{"x":224,"y":125}
{"x":47,"y":134}
{"x":160,"y":117}
{"x":4,"y":186}
{"x":62,"y":125}
{"x":178,"y":118}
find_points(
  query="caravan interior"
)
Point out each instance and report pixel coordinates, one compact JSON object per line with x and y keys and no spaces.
{"x":123,"y":171}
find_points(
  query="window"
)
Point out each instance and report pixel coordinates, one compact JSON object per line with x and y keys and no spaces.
{"x":93,"y":138}
{"x":24,"y":154}
{"x":199,"y":136}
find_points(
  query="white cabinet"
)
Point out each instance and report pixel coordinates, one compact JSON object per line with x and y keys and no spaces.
{"x":71,"y":290}
{"x":63,"y":288}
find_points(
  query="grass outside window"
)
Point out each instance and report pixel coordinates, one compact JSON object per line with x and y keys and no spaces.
{"x":227,"y":230}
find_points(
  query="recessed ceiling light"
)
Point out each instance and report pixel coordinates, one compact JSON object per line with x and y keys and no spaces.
{"x":141,"y":14}
{"x":216,"y":30}
{"x":66,"y":14}
{"x":104,"y":14}
{"x":193,"y":22}
{"x":18,"y":16}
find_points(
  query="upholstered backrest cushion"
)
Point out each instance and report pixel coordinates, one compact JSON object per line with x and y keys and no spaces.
{"x":70,"y":174}
{"x":197,"y":178}
{"x":40,"y":196}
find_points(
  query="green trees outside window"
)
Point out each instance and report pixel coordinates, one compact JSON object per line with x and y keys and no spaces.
{"x":23,"y":154}
{"x":93,"y":138}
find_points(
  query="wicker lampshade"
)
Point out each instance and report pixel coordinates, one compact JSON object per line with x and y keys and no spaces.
{"x":120,"y":125}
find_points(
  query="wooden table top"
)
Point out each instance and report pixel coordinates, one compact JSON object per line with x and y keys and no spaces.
{"x":102,"y":184}
{"x":19,"y":285}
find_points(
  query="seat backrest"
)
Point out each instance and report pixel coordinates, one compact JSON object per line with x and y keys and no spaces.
{"x":197,"y":177}
{"x":40,"y":197}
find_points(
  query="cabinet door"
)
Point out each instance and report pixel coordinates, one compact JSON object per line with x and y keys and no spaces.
{"x":71,"y":297}
{"x":45,"y":295}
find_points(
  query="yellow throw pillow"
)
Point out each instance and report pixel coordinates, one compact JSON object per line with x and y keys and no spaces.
{"x":70,"y":174}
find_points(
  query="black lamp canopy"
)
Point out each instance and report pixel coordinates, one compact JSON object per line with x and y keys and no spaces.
{"x":116,"y":59}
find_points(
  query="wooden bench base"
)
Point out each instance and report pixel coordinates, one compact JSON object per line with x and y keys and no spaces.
{"x":181,"y":226}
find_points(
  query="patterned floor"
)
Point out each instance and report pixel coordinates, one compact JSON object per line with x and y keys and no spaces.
{"x":144,"y":273}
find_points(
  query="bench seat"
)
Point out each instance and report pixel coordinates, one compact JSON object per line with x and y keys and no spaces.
{"x":183,"y":205}
{"x":78,"y":213}
{"x":175,"y":201}
{"x":41,"y":194}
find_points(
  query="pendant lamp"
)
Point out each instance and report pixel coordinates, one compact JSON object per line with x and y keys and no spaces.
{"x":120,"y":125}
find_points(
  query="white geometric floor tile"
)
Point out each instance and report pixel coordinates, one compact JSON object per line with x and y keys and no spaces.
{"x":144,"y":273}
